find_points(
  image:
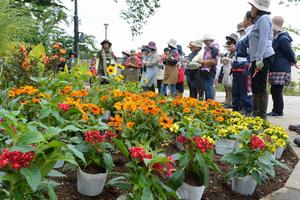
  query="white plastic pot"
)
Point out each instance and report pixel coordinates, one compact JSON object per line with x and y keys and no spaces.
{"x":244,"y":185}
{"x":189,"y":192}
{"x":278,"y":152}
{"x":224,"y":146}
{"x":106,"y":116}
{"x":90,"y":184}
{"x":123,"y":197}
{"x":59,"y":164}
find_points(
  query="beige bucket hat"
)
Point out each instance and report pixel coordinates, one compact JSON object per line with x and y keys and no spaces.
{"x":261,"y":4}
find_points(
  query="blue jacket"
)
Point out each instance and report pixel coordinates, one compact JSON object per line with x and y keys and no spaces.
{"x":284,"y":54}
{"x":241,"y":51}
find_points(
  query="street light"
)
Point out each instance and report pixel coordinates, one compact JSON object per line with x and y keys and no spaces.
{"x":106,"y":25}
{"x":76,"y":28}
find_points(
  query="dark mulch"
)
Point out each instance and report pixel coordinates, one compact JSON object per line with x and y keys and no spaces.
{"x":217,"y":188}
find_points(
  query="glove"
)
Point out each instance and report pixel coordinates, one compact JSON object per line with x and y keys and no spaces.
{"x":259,"y":64}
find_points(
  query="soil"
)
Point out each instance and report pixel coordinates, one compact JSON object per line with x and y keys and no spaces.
{"x":93,"y":169}
{"x":217,"y":188}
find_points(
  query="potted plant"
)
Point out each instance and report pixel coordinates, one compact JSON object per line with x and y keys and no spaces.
{"x":226,"y":138}
{"x":196,"y":158}
{"x":147,"y":174}
{"x":96,"y":148}
{"x":252,"y":163}
{"x":278,"y":140}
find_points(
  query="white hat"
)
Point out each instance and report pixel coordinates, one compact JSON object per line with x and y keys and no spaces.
{"x":207,"y":37}
{"x":172,"y":43}
{"x":261,"y":4}
{"x":197,"y":43}
{"x":277,"y":23}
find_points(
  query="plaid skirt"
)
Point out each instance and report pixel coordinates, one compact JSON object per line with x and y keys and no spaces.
{"x":279,"y":78}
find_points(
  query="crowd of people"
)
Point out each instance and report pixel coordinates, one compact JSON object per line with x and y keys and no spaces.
{"x":259,"y":52}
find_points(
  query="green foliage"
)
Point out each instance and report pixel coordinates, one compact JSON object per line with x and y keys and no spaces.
{"x":15,"y":25}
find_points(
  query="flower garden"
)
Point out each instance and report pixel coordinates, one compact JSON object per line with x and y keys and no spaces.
{"x":138,"y":144}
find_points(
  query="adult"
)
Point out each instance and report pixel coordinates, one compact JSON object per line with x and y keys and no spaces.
{"x":227,"y":61}
{"x":181,"y":67}
{"x":106,"y":57}
{"x":71,"y":61}
{"x":133,"y":65}
{"x":161,"y":69}
{"x":150,"y":64}
{"x":280,"y":70}
{"x":261,"y":54}
{"x":193,"y":69}
{"x":125,"y":56}
{"x":171,"y":70}
{"x":209,"y":65}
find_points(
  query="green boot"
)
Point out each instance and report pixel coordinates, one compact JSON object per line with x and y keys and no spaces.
{"x":262,"y":106}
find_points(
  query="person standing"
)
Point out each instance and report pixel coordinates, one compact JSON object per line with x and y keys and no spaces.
{"x":106,"y":58}
{"x":280,"y":70}
{"x":209,"y":63}
{"x":227,"y":61}
{"x":161,"y":69}
{"x":261,"y":54}
{"x":171,"y":70}
{"x":150,"y":64}
{"x":132,"y":67}
{"x":180,"y":79}
{"x":193,"y":70}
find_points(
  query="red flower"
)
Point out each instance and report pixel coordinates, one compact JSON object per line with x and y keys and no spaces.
{"x":203,"y":144}
{"x":46,"y":60}
{"x":109,"y":135}
{"x":93,"y":137}
{"x":15,"y":159}
{"x":139,"y":153}
{"x":64,"y":107}
{"x":181,"y":139}
{"x":257,"y":143}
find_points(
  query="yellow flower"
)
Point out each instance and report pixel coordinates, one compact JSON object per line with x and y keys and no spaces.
{"x":175,"y":128}
{"x":111,"y":70}
{"x":119,"y":78}
{"x":122,"y":67}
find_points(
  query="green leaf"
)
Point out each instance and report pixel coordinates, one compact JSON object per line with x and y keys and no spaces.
{"x":108,"y":161}
{"x":32,"y":136}
{"x":147,"y":195}
{"x":77,"y":153}
{"x":45,"y":112}
{"x":52,"y":131}
{"x":177,"y":178}
{"x":184,"y":160}
{"x":33,"y":177}
{"x":71,"y":128}
{"x":121,"y":147}
{"x":23,"y":148}
{"x":55,"y":173}
{"x":37,"y":52}
{"x":51,"y":192}
{"x":119,"y":182}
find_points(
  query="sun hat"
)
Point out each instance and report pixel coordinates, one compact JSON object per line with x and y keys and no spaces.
{"x":106,"y":42}
{"x":207,"y":37}
{"x":145,"y":48}
{"x":233,"y":37}
{"x":277,"y":23}
{"x":261,"y":4}
{"x":126,"y":52}
{"x":196,"y":43}
{"x":172,"y":43}
{"x":240,"y":27}
{"x":151,"y":45}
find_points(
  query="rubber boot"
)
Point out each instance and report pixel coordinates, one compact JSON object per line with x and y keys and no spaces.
{"x":262,"y":106}
{"x":255,"y":105}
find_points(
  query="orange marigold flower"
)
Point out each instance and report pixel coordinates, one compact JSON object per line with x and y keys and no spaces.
{"x":104,"y":98}
{"x":96,"y":110}
{"x":79,"y":93}
{"x":130,"y":124}
{"x":63,"y":51}
{"x":220,"y":119}
{"x":29,"y":90}
{"x":150,"y":110}
{"x":119,"y":106}
{"x":24,"y":102}
{"x":56,"y":45}
{"x":165,"y":122}
{"x":116,"y":122}
{"x":117,"y":93}
{"x":35,"y":100}
{"x":12,"y":92}
{"x":186,"y":109}
{"x":67,"y":89}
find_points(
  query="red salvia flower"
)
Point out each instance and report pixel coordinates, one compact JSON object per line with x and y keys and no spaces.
{"x":15,"y":159}
{"x":257,"y":143}
{"x":203,"y":144}
{"x":64,"y":107}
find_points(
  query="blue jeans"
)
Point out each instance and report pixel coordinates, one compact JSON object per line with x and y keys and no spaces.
{"x":172,"y":88}
{"x":208,"y":86}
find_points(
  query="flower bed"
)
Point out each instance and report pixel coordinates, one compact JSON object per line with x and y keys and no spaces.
{"x":58,"y":118}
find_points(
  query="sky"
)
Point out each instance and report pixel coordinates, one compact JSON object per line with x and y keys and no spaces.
{"x":182,"y":20}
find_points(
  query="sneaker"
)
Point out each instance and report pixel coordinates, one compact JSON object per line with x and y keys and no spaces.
{"x":273,"y":114}
{"x":297,"y":141}
{"x":294,"y":127}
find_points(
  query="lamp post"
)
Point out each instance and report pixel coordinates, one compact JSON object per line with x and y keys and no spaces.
{"x":106,"y":25}
{"x":76,"y":28}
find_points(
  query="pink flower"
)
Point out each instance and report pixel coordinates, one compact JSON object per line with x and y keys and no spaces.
{"x":64,"y":107}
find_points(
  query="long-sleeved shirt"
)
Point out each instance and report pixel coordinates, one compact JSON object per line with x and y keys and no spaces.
{"x":260,"y":39}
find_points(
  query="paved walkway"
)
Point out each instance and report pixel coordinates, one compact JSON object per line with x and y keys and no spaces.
{"x":291,"y":190}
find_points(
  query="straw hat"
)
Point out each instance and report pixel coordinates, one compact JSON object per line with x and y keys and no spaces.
{"x":261,"y":4}
{"x":233,"y":36}
{"x":207,"y":37}
{"x":196,"y":43}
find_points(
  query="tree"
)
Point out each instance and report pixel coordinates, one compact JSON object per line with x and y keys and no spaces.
{"x":138,"y":12}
